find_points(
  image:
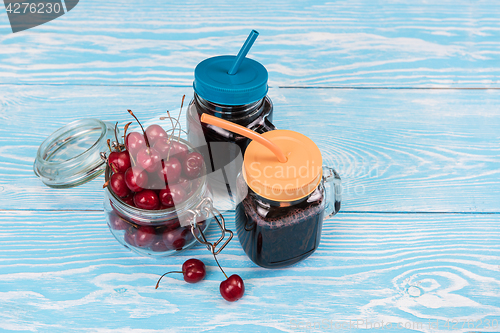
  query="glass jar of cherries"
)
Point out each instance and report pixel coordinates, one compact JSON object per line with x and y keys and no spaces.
{"x":156,"y":218}
{"x":156,"y":198}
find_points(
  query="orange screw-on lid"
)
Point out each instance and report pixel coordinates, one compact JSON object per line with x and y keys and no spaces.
{"x":283,"y":181}
{"x":280,"y":165}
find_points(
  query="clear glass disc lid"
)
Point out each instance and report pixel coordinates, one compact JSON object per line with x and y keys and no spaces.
{"x":71,"y":156}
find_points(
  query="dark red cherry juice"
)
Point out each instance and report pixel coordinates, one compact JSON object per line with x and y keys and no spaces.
{"x":275,"y":234}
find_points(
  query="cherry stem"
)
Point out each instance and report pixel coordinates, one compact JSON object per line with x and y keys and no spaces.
{"x":109,"y":146}
{"x":143,"y":131}
{"x":105,"y":184}
{"x":125,"y":139}
{"x":219,"y":266}
{"x":125,"y":131}
{"x":179,"y":117}
{"x":169,"y":137}
{"x":171,"y":122}
{"x":175,"y":126}
{"x":158,"y":283}
{"x":116,"y":137}
{"x":132,"y":160}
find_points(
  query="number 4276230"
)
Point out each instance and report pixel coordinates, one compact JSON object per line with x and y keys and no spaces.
{"x":38,"y":8}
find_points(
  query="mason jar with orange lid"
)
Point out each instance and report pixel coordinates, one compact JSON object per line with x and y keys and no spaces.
{"x":284,"y":192}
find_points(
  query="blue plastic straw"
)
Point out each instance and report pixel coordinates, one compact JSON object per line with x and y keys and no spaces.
{"x":243,"y":52}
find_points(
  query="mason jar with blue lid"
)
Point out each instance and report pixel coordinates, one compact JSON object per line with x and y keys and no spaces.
{"x":233,"y":88}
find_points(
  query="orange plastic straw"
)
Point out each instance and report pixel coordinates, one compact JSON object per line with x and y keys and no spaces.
{"x":206,"y":118}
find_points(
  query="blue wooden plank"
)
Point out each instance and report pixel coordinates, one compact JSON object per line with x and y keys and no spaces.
{"x":302,"y":43}
{"x":396,"y":150}
{"x":63,"y":271}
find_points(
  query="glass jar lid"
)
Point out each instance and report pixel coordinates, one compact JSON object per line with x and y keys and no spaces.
{"x":71,"y":156}
{"x":287,"y":181}
{"x":213,"y":82}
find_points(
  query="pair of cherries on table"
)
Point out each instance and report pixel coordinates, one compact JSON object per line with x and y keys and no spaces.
{"x":162,"y":175}
{"x":193,"y":270}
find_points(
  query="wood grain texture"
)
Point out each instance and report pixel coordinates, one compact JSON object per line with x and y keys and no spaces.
{"x":434,"y":154}
{"x":396,"y":150}
{"x":302,"y":43}
{"x":64,"y":272}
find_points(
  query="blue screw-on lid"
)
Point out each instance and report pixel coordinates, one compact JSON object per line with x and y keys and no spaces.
{"x":213,"y":83}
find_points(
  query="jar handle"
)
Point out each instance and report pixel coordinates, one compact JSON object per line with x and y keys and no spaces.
{"x":206,"y":208}
{"x":332,"y":183}
{"x":267,"y":126}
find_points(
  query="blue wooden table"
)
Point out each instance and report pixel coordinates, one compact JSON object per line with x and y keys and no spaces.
{"x":402,"y":97}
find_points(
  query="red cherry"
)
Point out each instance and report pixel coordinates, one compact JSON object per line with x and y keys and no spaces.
{"x":134,"y":142}
{"x":172,"y":224}
{"x":184,"y":183}
{"x":233,"y":288}
{"x":171,"y":170}
{"x":136,"y":178}
{"x":118,"y":185}
{"x":117,"y":223}
{"x":193,"y":270}
{"x":149,"y":159}
{"x":172,"y":195}
{"x":179,"y":150}
{"x":175,"y":239}
{"x":129,"y":237}
{"x":129,"y":200}
{"x":162,"y":146}
{"x":146,"y":199}
{"x":144,"y":236}
{"x":189,"y":235}
{"x":119,"y":161}
{"x":158,"y":245}
{"x":154,"y":133}
{"x":193,"y":165}
{"x":171,"y":148}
